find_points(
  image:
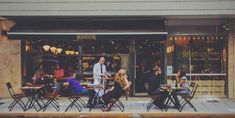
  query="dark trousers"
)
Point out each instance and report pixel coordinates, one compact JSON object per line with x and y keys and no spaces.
{"x":160,"y":100}
{"x":91,"y":94}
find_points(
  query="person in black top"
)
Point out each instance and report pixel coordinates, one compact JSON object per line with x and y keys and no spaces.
{"x":154,"y":87}
{"x":116,"y":91}
{"x":121,"y":85}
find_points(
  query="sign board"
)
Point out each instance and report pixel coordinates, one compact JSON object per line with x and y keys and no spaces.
{"x":169,"y":69}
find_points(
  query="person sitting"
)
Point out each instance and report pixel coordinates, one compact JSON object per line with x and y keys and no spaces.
{"x":38,"y":75}
{"x":79,"y":76}
{"x":76,"y":88}
{"x":154,"y":87}
{"x":182,"y":80}
{"x":120,"y":85}
{"x":56,"y":87}
{"x":58,"y":72}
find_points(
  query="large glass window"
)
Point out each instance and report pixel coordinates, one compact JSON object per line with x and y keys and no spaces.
{"x":204,"y":59}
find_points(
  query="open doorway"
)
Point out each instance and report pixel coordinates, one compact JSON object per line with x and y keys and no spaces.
{"x":148,"y":53}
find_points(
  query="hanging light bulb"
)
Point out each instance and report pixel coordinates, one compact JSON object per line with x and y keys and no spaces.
{"x":59,"y":50}
{"x":67,"y":52}
{"x":72,"y":52}
{"x":53,"y":49}
{"x":171,"y":38}
{"x":46,"y":47}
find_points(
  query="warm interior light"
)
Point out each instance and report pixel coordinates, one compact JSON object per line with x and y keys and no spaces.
{"x":76,"y":53}
{"x":53,"y":49}
{"x":59,"y":50}
{"x":67,"y":52}
{"x":72,"y":52}
{"x":26,"y":48}
{"x":46,"y":47}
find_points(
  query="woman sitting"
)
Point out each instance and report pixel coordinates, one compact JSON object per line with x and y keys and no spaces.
{"x":116,"y":91}
{"x":182,"y":80}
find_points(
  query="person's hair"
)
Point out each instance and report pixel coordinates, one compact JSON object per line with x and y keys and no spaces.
{"x":101,"y":58}
{"x":37,"y":68}
{"x":182,"y":73}
{"x":156,"y":68}
{"x":121,"y":76}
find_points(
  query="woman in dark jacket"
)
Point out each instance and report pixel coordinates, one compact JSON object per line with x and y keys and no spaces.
{"x":120,"y":85}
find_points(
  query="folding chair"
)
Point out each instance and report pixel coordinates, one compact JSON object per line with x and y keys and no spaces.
{"x":74,"y":99}
{"x":154,"y":98}
{"x":186,"y":98}
{"x":118,"y":103}
{"x":51,"y":100}
{"x":16,"y":98}
{"x":97,"y":101}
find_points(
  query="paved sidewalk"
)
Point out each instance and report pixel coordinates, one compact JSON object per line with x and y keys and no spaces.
{"x":134,"y":107}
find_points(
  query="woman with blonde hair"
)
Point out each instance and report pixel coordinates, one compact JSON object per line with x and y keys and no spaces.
{"x":116,"y":91}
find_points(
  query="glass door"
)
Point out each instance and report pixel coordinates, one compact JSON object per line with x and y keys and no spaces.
{"x":148,"y":53}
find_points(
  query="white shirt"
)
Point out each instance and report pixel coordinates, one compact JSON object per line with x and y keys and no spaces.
{"x":97,"y":70}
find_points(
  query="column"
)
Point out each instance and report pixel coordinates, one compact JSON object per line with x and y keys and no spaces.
{"x":231,"y":60}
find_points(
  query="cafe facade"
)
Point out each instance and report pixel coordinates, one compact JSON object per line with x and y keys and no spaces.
{"x":134,"y":38}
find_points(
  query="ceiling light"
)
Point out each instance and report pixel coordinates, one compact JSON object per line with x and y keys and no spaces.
{"x":53,"y":49}
{"x":59,"y":50}
{"x":46,"y":47}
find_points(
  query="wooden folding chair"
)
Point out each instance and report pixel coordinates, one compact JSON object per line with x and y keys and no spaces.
{"x":75,"y":100}
{"x":153,"y":98}
{"x":16,"y":98}
{"x":186,"y":98}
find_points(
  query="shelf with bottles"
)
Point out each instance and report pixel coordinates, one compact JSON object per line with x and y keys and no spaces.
{"x":214,"y":56}
{"x":198,"y":56}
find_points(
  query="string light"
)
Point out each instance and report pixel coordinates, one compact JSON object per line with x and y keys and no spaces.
{"x":175,"y":38}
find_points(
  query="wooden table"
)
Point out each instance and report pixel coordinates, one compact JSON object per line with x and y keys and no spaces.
{"x":32,"y":93}
{"x":96,"y":98}
{"x":171,"y":91}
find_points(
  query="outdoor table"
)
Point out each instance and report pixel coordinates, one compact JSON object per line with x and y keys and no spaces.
{"x":33,"y":97}
{"x":171,"y":91}
{"x":96,"y":97}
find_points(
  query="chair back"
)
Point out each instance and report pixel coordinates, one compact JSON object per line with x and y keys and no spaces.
{"x":10,"y":89}
{"x":146,"y":85}
{"x":194,"y":89}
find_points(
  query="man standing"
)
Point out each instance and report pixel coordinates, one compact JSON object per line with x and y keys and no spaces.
{"x":99,"y":70}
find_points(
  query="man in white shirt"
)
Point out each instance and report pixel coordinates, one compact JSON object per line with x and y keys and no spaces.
{"x":99,"y":71}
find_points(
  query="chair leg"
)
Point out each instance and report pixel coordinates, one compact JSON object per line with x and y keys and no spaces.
{"x":149,"y":105}
{"x":120,"y":105}
{"x":82,"y":102}
{"x":14,"y":102}
{"x":52,"y":102}
{"x":187,"y":101}
{"x":74,"y":103}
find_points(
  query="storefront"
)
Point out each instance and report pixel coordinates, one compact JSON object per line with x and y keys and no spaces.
{"x":201,"y":52}
{"x":135,"y":53}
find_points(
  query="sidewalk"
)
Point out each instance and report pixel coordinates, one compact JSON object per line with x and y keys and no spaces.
{"x":134,"y":107}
